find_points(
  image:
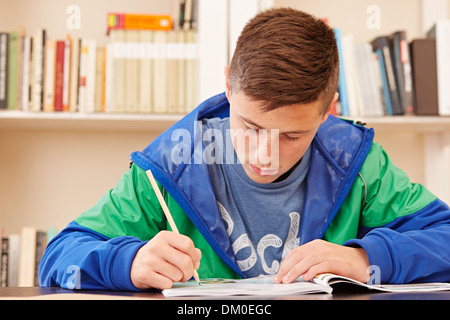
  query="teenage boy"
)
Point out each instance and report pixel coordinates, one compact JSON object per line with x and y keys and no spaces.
{"x":321,"y":196}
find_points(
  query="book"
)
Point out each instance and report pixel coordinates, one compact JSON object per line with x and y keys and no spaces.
{"x":146,"y":65}
{"x":25,"y":75}
{"x":384,"y":83}
{"x":138,"y":21}
{"x":74,"y":73}
{"x":49,"y":75}
{"x":14,"y":49}
{"x":13,"y":260}
{"x":264,"y":286}
{"x":441,"y":32}
{"x":4,"y":70}
{"x":160,"y":73}
{"x":27,"y":257}
{"x":384,"y":44}
{"x":20,"y":256}
{"x":424,"y":65}
{"x":138,"y":71}
{"x":403,"y":70}
{"x":342,"y":85}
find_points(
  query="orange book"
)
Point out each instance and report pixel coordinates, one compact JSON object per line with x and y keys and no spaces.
{"x":139,"y":21}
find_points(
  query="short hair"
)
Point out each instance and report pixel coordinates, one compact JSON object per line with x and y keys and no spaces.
{"x":285,"y":57}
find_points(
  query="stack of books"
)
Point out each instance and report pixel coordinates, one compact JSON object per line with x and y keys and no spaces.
{"x":390,"y":76}
{"x":147,"y":67}
{"x":21,"y":255}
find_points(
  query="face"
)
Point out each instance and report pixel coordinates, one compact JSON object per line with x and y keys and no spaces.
{"x":288,"y":132}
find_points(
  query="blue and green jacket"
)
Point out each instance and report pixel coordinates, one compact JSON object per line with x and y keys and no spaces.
{"x":355,"y":196}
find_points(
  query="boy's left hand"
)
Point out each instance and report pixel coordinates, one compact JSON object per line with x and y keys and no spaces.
{"x":320,"y":256}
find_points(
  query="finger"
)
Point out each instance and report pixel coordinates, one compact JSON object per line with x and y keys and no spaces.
{"x":157,"y":281}
{"x":197,"y":259}
{"x":292,"y":259}
{"x":186,"y":245}
{"x":182,"y":261}
{"x":182,"y":243}
{"x":169,"y":271}
{"x":299,"y":269}
{"x":323,"y":267}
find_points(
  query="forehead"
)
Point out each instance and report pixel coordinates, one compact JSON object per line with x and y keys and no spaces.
{"x":301,"y":117}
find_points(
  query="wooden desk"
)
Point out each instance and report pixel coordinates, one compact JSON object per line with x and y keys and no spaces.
{"x":37,"y":293}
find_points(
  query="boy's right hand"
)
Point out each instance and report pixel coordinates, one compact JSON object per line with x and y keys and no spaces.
{"x":167,"y":258}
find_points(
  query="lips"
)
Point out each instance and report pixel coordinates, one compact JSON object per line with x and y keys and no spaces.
{"x":263,"y":172}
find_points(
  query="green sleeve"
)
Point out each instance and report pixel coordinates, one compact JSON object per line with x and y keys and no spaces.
{"x":129,"y":209}
{"x":390,"y":193}
{"x":381,"y":193}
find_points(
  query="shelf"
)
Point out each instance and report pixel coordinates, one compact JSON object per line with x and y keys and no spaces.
{"x":422,"y":124}
{"x":87,"y":122}
{"x":160,"y":122}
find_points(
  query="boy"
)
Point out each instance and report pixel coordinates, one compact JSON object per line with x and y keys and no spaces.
{"x":314,"y":194}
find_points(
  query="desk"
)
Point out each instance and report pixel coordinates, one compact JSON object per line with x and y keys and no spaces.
{"x":37,"y":293}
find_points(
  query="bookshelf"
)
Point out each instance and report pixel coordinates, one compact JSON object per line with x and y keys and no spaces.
{"x":67,"y":121}
{"x":418,"y":145}
{"x":56,"y":165}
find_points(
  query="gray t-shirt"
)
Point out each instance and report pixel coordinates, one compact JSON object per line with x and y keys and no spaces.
{"x":263,"y":220}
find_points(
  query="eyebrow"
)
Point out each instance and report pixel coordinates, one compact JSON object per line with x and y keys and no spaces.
{"x":260,"y":127}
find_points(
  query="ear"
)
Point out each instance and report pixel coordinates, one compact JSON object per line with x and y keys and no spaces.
{"x":330,"y":107}
{"x":227,"y":83}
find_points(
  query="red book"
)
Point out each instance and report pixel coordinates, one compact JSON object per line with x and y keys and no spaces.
{"x":59,"y":75}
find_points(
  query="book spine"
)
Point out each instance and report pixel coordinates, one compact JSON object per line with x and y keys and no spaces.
{"x":146,"y":72}
{"x":82,"y":76}
{"x":406,"y":69}
{"x":66,"y":74}
{"x":59,"y":75}
{"x":49,"y":76}
{"x":13,"y":70}
{"x":4,"y":70}
{"x":342,"y":86}
{"x":41,"y":242}
{"x":91,"y":76}
{"x":386,"y":92}
{"x":139,"y":22}
{"x":4,"y":262}
{"x":74,"y":74}
{"x":25,"y":84}
{"x":160,"y":82}
{"x":383,"y":43}
{"x":423,"y":57}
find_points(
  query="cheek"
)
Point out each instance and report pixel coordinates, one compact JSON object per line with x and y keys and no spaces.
{"x":291,"y":153}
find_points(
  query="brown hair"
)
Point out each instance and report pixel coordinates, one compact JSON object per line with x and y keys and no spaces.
{"x":284,"y":57}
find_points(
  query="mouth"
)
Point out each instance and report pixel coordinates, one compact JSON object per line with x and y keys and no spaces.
{"x":263,"y":172}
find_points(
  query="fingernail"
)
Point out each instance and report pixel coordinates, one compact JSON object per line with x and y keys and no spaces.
{"x":276,"y":279}
{"x":286,"y":278}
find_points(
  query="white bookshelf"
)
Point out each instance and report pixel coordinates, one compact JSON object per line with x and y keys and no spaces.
{"x":53,"y":166}
{"x":432,"y":124}
{"x":19,"y":120}
{"x":68,"y":121}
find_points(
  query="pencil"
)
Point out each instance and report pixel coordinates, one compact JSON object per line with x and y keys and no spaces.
{"x":166,"y":211}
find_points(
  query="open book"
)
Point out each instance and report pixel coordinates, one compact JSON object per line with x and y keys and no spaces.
{"x":264,"y":286}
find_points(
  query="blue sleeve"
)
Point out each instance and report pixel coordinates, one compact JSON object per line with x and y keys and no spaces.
{"x":413,"y":248}
{"x":80,"y":258}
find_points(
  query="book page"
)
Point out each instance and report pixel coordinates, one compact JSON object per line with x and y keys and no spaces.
{"x":328,"y":279}
{"x":263,"y":286}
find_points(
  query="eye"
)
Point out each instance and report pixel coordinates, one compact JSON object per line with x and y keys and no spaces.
{"x":291,"y":138}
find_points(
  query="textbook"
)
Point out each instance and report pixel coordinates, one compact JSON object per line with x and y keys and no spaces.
{"x":264,"y":286}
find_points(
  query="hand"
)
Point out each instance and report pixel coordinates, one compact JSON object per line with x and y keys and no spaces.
{"x":320,"y":256}
{"x":167,"y":258}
